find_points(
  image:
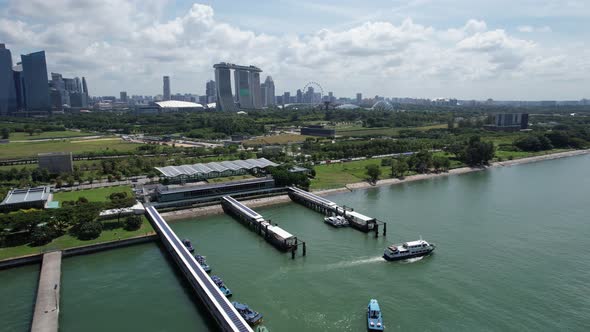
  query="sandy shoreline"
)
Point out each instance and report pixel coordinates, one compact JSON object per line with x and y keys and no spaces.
{"x":266,"y":201}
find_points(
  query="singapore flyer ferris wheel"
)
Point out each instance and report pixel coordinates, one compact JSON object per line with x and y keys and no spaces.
{"x":312,"y":94}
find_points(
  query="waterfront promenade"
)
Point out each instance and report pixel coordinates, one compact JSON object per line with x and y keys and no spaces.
{"x":46,"y":315}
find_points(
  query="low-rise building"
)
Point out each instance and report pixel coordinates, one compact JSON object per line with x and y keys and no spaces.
{"x":27,"y":198}
{"x":56,"y":162}
{"x":318,"y":130}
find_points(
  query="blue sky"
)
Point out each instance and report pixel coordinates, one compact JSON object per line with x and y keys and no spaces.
{"x":422,"y":48}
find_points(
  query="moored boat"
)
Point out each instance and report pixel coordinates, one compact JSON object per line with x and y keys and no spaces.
{"x":336,"y":221}
{"x":222,"y":287}
{"x":249,"y":315}
{"x":408,"y":250}
{"x":374,"y":318}
{"x":203,"y":262}
{"x":187,"y":243}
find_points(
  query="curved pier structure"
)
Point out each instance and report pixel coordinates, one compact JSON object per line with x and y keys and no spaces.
{"x":220,"y":308}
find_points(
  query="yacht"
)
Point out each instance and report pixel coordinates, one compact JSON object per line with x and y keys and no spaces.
{"x":336,"y":221}
{"x":222,"y":287}
{"x":188,"y":245}
{"x":374,"y":319}
{"x":408,"y":250}
{"x":249,"y":315}
{"x":203,"y":262}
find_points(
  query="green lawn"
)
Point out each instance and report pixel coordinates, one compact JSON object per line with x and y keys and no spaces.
{"x":507,"y":155}
{"x":338,"y":175}
{"x":362,"y":131}
{"x":67,"y":241}
{"x":93,"y":195}
{"x":49,"y":134}
{"x":31,"y":149}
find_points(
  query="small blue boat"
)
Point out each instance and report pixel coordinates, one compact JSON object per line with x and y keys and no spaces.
{"x":203,"y":262}
{"x":249,"y":315}
{"x":221,"y":286}
{"x":374,"y":319}
{"x":188,"y":245}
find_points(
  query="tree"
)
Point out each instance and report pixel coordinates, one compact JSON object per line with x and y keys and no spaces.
{"x":41,"y":235}
{"x":133,"y":223}
{"x":477,"y":153}
{"x":373,"y":172}
{"x":421,"y":162}
{"x":89,"y":230}
{"x":399,"y":167}
{"x":441,"y":163}
{"x":5,"y":133}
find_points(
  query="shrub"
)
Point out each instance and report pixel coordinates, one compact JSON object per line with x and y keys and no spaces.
{"x":41,"y":235}
{"x":133,"y":223}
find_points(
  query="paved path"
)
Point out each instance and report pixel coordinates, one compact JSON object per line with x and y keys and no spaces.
{"x":46,"y":316}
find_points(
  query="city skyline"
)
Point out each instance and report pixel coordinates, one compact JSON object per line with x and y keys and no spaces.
{"x":535,"y":52}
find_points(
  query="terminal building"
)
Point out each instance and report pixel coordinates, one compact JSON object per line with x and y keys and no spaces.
{"x":28,"y":198}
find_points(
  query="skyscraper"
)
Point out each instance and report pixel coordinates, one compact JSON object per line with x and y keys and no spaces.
{"x":242,"y":88}
{"x":270,"y":91}
{"x":256,"y":91}
{"x":359,"y":98}
{"x":286,"y":98}
{"x":123,"y":96}
{"x":225,"y":100}
{"x":210,"y":91}
{"x":8,"y":101}
{"x":263,"y":94}
{"x":166,"y":94}
{"x":299,"y":98}
{"x":35,"y":82}
{"x":84,"y":86}
{"x":331,"y":97}
{"x":17,"y":72}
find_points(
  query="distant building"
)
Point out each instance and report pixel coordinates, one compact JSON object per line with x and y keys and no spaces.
{"x":269,"y":85}
{"x":286,"y":98}
{"x":359,"y":98}
{"x":56,"y":162}
{"x":166,"y":88}
{"x":8,"y":97}
{"x":84,"y":87}
{"x":123,"y":96}
{"x":318,"y":130}
{"x":177,"y":105}
{"x":26,"y":198}
{"x":17,"y":72}
{"x":210,"y":92}
{"x":509,"y":121}
{"x":243,"y":89}
{"x":247,"y":87}
{"x":299,"y":98}
{"x":36,"y":89}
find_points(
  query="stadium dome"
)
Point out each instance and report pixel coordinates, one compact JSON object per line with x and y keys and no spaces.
{"x":346,"y":107}
{"x":383,"y":105}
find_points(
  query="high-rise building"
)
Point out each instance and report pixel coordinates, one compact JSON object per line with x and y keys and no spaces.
{"x":84,"y":86}
{"x":225,"y":100}
{"x":210,"y":92}
{"x":166,"y":88}
{"x":359,"y":98}
{"x":8,"y":100}
{"x":263,"y":94}
{"x":35,"y":82}
{"x":269,"y":85}
{"x":331,"y":98}
{"x":256,"y":91}
{"x":299,"y":98}
{"x":17,"y":72}
{"x":242,"y":88}
{"x":286,"y":98}
{"x":123,"y":96}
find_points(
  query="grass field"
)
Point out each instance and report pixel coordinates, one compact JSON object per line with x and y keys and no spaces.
{"x":93,"y":195}
{"x":68,"y":241}
{"x":276,"y":139}
{"x":49,"y":134}
{"x":31,"y":149}
{"x":338,"y":175}
{"x":361,"y":131}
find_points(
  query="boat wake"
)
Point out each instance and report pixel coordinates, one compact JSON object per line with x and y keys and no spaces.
{"x":357,"y":262}
{"x":411,"y":260}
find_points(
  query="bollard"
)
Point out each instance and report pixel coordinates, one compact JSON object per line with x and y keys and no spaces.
{"x":376,"y":230}
{"x":304,"y":249}
{"x":384,"y":228}
{"x":293,"y":253}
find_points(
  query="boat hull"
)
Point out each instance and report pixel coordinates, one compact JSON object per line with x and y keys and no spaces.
{"x":401,"y":258}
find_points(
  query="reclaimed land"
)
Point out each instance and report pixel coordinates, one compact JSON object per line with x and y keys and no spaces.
{"x":31,"y":149}
{"x":273,"y":200}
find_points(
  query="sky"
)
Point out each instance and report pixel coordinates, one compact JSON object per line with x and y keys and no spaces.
{"x":465,"y":49}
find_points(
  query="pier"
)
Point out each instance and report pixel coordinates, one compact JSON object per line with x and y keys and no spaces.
{"x":275,"y":235}
{"x":226,"y":316}
{"x":327,"y":207}
{"x":46,"y":315}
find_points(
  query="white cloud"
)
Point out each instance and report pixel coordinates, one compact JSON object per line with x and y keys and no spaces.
{"x":127,"y":45}
{"x":530,"y":29}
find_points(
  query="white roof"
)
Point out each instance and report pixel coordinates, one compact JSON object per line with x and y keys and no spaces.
{"x":178,"y":104}
{"x":415,"y":243}
{"x":359,"y":216}
{"x":235,"y":165}
{"x":280,"y":232}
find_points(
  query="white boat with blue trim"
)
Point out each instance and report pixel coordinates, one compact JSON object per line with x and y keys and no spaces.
{"x":408,"y":250}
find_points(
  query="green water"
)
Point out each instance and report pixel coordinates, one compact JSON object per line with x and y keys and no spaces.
{"x":511,"y":256}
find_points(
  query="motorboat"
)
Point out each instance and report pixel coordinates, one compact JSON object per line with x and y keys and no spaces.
{"x":222,"y":287}
{"x":187,"y":243}
{"x":408,"y":250}
{"x":374,"y":318}
{"x":203,"y":262}
{"x":249,"y":315}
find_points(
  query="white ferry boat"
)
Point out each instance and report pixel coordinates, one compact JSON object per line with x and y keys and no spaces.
{"x":336,"y":221}
{"x":408,"y":250}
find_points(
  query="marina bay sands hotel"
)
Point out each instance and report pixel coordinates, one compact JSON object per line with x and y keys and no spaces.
{"x":247,"y":87}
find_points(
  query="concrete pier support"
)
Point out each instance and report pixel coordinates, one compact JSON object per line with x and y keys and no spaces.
{"x":46,"y":316}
